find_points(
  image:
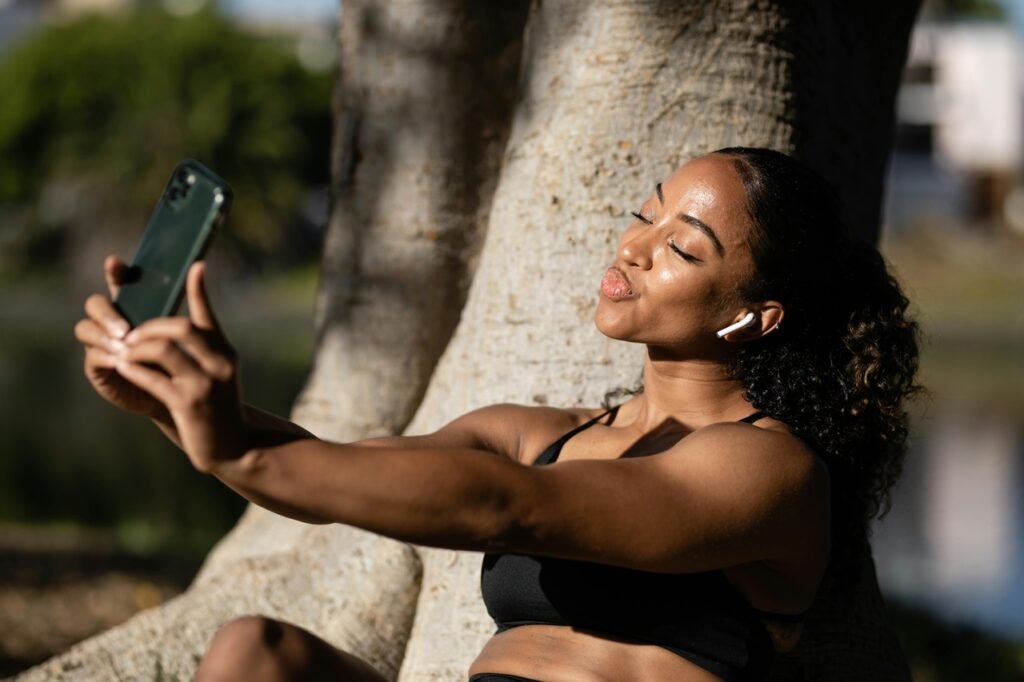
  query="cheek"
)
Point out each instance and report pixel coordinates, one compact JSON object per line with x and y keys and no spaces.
{"x":698,"y":304}
{"x":668,"y":280}
{"x":679,"y":288}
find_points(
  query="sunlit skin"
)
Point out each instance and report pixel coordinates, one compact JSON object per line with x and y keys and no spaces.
{"x":695,"y":490}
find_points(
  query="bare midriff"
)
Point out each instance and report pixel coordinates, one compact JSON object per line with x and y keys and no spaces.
{"x":556,"y":653}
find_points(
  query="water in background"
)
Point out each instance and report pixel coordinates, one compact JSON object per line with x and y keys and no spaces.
{"x":954,"y":541}
{"x":69,"y":461}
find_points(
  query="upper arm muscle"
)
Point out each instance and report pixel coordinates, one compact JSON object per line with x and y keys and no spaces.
{"x":725,"y":495}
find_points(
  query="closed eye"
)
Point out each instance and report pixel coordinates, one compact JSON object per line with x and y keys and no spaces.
{"x":685,"y":256}
{"x":641,"y":218}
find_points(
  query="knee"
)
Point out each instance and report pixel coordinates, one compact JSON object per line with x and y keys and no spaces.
{"x":251,"y":648}
{"x":249,"y":633}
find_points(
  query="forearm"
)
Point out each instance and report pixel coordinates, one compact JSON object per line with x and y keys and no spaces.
{"x":265,"y":426}
{"x":452,"y":498}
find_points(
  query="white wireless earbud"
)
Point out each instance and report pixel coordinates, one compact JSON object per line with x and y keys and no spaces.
{"x":747,"y":320}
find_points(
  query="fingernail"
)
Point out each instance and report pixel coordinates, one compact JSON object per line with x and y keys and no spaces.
{"x":117,"y":329}
{"x":131,"y":337}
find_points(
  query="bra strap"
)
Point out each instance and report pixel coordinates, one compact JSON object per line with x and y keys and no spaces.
{"x":551,"y":453}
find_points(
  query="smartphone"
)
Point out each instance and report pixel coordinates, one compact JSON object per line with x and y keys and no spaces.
{"x":194,"y":204}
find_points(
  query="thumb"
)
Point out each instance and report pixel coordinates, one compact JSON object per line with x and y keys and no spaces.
{"x":115,"y":271}
{"x":199,"y":308}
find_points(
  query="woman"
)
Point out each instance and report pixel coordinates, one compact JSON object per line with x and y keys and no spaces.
{"x":680,"y":535}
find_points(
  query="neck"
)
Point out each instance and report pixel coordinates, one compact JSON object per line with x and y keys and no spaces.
{"x":692,"y":392}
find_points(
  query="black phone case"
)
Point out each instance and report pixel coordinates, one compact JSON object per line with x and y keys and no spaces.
{"x":194,"y":203}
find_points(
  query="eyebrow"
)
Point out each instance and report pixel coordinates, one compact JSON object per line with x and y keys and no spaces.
{"x":695,"y":222}
{"x":705,"y":228}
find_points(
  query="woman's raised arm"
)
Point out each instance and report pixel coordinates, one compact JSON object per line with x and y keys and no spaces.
{"x":727,"y":494}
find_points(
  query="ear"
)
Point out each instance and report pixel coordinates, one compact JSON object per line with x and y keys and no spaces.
{"x":770,"y":317}
{"x":767,"y":318}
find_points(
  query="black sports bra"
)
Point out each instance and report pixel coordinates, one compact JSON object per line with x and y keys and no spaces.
{"x":699,"y":616}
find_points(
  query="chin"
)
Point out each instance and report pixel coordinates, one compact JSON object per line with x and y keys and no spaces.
{"x":613,"y":324}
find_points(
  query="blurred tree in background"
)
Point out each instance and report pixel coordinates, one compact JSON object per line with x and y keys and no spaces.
{"x":964,"y":9}
{"x":97,"y":111}
{"x":95,"y":114}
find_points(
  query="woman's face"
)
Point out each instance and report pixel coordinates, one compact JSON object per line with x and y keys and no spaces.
{"x":679,"y":265}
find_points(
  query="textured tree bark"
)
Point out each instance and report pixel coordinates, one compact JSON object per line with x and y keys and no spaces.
{"x":423,"y":109}
{"x":616,"y":95}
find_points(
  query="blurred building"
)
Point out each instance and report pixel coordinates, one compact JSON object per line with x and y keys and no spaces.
{"x":960,"y":136}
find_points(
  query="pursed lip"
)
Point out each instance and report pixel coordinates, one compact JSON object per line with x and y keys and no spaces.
{"x":625,"y":277}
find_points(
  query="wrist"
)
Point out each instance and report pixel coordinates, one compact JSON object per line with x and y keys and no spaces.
{"x":238,"y":469}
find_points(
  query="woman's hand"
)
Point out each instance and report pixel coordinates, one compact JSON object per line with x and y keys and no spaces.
{"x":190,"y":368}
{"x":102,"y":334}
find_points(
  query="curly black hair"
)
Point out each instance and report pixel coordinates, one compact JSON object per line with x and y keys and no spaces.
{"x":842,"y":365}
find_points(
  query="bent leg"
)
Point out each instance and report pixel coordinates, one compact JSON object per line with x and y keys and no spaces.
{"x":259,"y":649}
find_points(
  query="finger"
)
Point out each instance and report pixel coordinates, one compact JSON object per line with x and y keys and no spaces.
{"x":115,"y":271}
{"x":91,"y":335}
{"x":199,"y":306}
{"x":213,"y":354}
{"x":166,"y":355}
{"x":100,"y":309}
{"x":97,"y":358}
{"x":149,"y":380}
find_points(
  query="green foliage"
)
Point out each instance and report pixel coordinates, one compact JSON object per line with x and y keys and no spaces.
{"x":97,"y":112}
{"x":986,"y":10}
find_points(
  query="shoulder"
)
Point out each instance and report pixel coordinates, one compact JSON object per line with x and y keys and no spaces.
{"x":768,"y":467}
{"x":772,"y":439}
{"x":774,"y":452}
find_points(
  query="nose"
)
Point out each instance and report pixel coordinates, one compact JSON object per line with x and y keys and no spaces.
{"x":636,"y":249}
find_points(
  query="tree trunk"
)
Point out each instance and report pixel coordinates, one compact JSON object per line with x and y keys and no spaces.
{"x":423,"y":109}
{"x":847,"y":65}
{"x":617,"y":95}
